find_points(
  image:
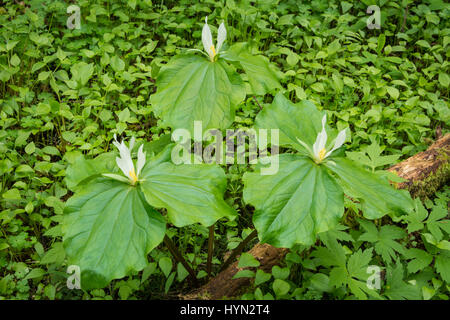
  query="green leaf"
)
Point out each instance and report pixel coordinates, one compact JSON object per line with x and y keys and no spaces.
{"x":190,"y":193}
{"x":374,"y":159}
{"x":55,"y":255}
{"x":148,"y":271}
{"x":244,"y":274}
{"x":416,"y":217}
{"x":280,"y":287}
{"x":165,"y":264}
{"x":35,"y":273}
{"x":182,"y":273}
{"x":381,"y":43}
{"x":280,"y":273}
{"x":320,"y":282}
{"x":393,"y":92}
{"x":295,"y":204}
{"x":247,"y":260}
{"x":376,"y":195}
{"x":444,"y":79}
{"x":396,"y":288}
{"x":117,"y":64}
{"x":261,"y":277}
{"x":442,"y":265}
{"x":384,"y":240}
{"x":262,"y":76}
{"x":12,"y":194}
{"x":436,"y":222}
{"x":419,"y":259}
{"x":192,"y":88}
{"x":82,"y":72}
{"x":302,"y":121}
{"x":108,"y":231}
{"x":82,"y":170}
{"x":169,"y":282}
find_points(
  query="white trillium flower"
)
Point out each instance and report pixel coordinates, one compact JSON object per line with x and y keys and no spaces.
{"x":319,"y":152}
{"x":125,"y":162}
{"x":208,"y":42}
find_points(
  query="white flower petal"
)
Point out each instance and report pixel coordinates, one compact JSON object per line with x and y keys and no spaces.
{"x":123,"y":166}
{"x":207,"y":38}
{"x":221,"y":36}
{"x":321,"y":139}
{"x":132,"y":141}
{"x":340,"y":139}
{"x":140,"y":160}
{"x":115,"y":142}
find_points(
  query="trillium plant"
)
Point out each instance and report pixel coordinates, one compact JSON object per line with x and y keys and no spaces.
{"x":123,"y":200}
{"x":306,"y":196}
{"x":208,"y":87}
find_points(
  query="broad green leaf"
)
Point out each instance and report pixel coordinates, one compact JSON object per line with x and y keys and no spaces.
{"x":108,"y":231}
{"x":295,"y":204}
{"x":192,"y":88}
{"x":244,"y":274}
{"x":247,"y":260}
{"x":261,"y":277}
{"x":165,"y":265}
{"x":117,"y":64}
{"x":35,"y":273}
{"x":302,"y":121}
{"x":280,"y":273}
{"x":261,"y":74}
{"x":82,"y":72}
{"x":393,"y":92}
{"x":376,"y":195}
{"x":190,"y":193}
{"x":85,"y":169}
{"x":280,"y":287}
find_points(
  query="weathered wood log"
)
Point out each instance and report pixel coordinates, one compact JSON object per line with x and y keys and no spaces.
{"x":425,"y":172}
{"x":223,"y":285}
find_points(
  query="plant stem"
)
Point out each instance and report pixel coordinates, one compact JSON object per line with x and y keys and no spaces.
{"x":210,"y":250}
{"x":177,"y":255}
{"x":238,"y":249}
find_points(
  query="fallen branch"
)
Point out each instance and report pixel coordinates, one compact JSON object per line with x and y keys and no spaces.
{"x":425,"y":173}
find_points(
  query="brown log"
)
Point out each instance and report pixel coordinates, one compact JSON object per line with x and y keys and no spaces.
{"x":223,"y":285}
{"x":425,"y":173}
